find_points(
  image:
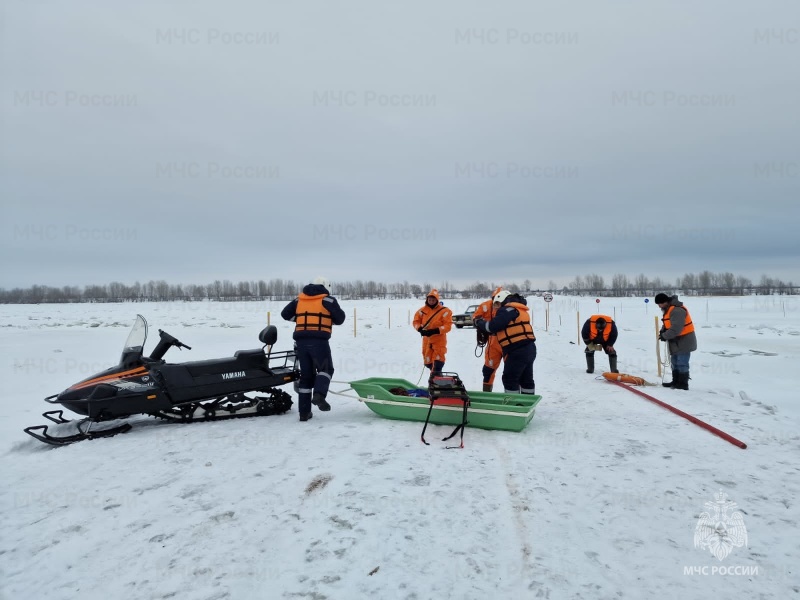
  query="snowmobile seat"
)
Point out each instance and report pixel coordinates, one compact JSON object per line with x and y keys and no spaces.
{"x":258,"y":352}
{"x":216,"y":366}
{"x":211,"y":366}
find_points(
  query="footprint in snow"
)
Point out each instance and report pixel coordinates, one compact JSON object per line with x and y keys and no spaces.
{"x":318,"y":483}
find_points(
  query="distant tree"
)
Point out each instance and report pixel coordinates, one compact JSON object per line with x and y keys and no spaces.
{"x":479,"y":289}
{"x":742,"y":284}
{"x":95,"y":292}
{"x":728,"y":282}
{"x":688,"y":282}
{"x":577,"y":284}
{"x":642,"y":284}
{"x":595,"y":283}
{"x":243,"y":289}
{"x":658,"y":284}
{"x":704,"y":282}
{"x":619,"y":284}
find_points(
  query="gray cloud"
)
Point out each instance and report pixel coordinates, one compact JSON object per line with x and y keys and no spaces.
{"x":448,"y":142}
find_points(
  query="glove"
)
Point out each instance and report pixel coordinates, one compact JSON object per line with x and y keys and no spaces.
{"x":429,"y":332}
{"x":480,"y":324}
{"x":419,"y":329}
{"x":661,"y":337}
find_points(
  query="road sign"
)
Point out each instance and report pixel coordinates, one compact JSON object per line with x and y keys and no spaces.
{"x":598,"y":300}
{"x":548,"y":297}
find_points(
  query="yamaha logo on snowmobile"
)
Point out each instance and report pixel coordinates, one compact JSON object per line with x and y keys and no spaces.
{"x":146,"y":378}
{"x":233,"y":375}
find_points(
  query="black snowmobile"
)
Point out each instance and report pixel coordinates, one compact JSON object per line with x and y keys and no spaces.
{"x":194,"y":391}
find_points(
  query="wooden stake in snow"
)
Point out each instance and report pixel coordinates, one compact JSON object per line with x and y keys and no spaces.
{"x":658,"y":347}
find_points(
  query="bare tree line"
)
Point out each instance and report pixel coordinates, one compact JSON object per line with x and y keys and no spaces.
{"x":702,"y":284}
{"x":691,"y":284}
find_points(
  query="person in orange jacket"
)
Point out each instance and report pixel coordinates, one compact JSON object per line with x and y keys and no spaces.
{"x":599,"y":332}
{"x":492,"y":353}
{"x":433,"y":321}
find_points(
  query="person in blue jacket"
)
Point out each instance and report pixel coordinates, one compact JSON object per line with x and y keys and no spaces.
{"x":314,"y":313}
{"x":599,"y":332}
{"x":512,"y":326}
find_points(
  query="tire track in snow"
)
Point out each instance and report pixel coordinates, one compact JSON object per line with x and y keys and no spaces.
{"x":519,"y":509}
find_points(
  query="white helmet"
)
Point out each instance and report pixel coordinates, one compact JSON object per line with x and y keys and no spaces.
{"x":323,"y":282}
{"x":501,"y":296}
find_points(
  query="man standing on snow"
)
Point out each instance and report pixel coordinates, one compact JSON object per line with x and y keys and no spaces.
{"x":314,"y":313}
{"x":512,"y":326}
{"x":433,"y":321}
{"x":599,"y":332}
{"x":678,"y":330}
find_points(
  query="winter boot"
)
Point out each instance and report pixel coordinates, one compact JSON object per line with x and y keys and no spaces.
{"x":306,"y":417}
{"x":673,"y":383}
{"x":612,"y":363}
{"x":682,"y":381}
{"x":319,"y":401}
{"x":487,"y":387}
{"x":589,"y":362}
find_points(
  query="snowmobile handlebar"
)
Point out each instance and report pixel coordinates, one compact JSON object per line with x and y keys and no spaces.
{"x":166,"y":342}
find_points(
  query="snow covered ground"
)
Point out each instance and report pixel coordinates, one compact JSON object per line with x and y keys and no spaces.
{"x":598,"y":498}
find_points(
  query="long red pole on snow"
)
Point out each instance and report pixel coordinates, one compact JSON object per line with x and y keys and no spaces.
{"x":687,"y":416}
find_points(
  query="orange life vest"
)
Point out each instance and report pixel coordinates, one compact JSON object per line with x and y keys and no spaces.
{"x":688,"y":327}
{"x":593,"y":327}
{"x":312,"y":314}
{"x":519,"y":329}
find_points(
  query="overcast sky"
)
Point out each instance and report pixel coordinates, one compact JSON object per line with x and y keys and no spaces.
{"x":436,"y":141}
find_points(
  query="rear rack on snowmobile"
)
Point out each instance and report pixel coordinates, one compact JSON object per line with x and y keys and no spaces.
{"x":285,"y":356}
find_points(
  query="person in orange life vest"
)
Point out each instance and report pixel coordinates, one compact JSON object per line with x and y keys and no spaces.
{"x":314,"y":313}
{"x":492,"y":354}
{"x":512,"y":326}
{"x":678,"y":330}
{"x":599,"y":332}
{"x":433,"y":321}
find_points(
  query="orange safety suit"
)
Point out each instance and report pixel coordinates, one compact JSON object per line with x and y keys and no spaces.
{"x":437,"y":317}
{"x":492,"y":353}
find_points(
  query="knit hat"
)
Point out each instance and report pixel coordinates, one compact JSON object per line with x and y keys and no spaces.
{"x":661,"y":298}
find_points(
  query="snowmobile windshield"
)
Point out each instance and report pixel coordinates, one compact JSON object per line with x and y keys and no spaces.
{"x":136,"y":337}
